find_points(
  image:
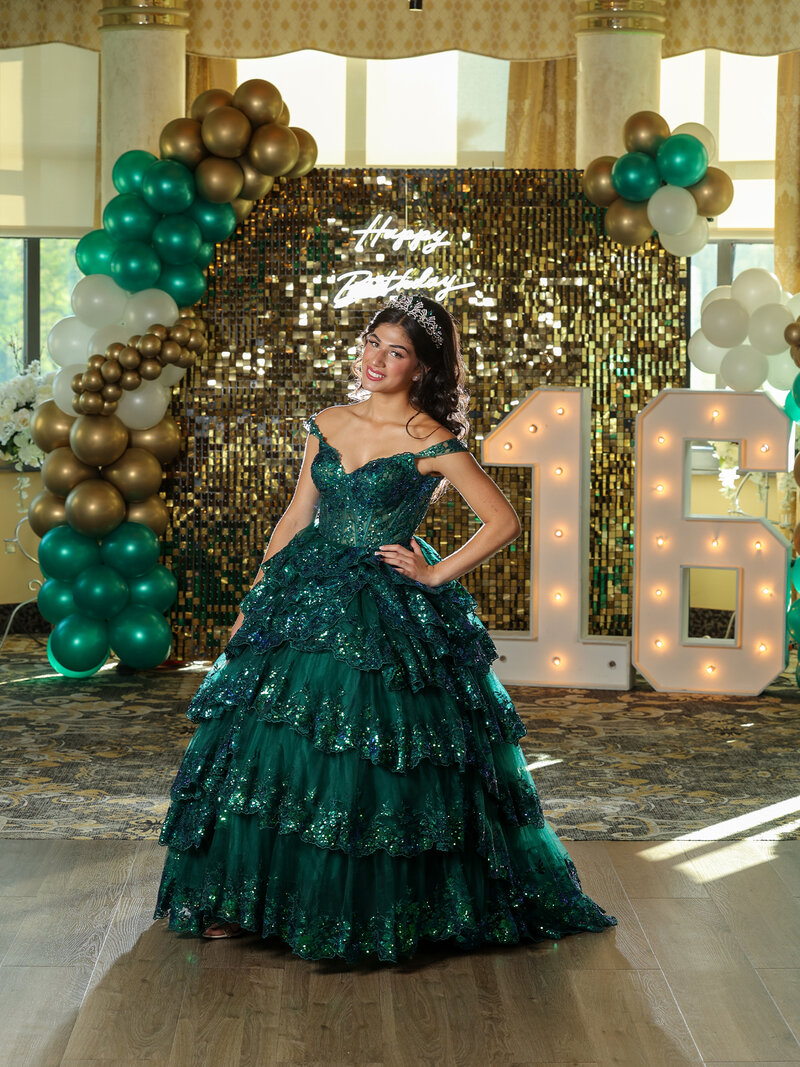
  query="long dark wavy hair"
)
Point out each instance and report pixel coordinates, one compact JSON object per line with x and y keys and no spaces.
{"x":440,"y":392}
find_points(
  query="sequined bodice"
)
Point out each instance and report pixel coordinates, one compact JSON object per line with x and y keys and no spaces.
{"x":381,"y":502}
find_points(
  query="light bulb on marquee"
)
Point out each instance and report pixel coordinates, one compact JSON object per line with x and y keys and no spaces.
{"x":757,"y":545}
{"x":658,"y":643}
{"x":659,"y":592}
{"x":661,"y":439}
{"x":559,"y":533}
{"x":710,"y":668}
{"x":507,"y":445}
{"x":559,"y":470}
{"x":557,"y":661}
{"x":559,"y":411}
{"x":715,"y":542}
{"x":762,"y":647}
{"x":660,"y":488}
{"x":765,"y":448}
{"x":557,"y":596}
{"x":659,"y":541}
{"x":715,"y":413}
{"x":532,"y":428}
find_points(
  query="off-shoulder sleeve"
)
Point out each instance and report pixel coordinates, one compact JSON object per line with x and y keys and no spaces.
{"x":310,"y":426}
{"x":444,"y":447}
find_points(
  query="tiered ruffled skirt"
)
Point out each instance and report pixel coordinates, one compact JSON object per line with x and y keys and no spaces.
{"x":355,"y":783}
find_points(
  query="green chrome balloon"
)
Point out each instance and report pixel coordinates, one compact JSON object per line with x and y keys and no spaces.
{"x":793,"y":620}
{"x":682,"y":159}
{"x":129,"y":218}
{"x":790,"y":405}
{"x":94,"y":251}
{"x":64,"y":553}
{"x":135,"y":266}
{"x":216,"y":221}
{"x":205,"y":255}
{"x":635,"y":176}
{"x":185,"y":283}
{"x":140,"y":636}
{"x":157,"y":589}
{"x":168,"y":186}
{"x":100,"y":592}
{"x":55,"y":600}
{"x":131,"y":548}
{"x":177,"y":239}
{"x":128,"y":171}
{"x":79,"y":643}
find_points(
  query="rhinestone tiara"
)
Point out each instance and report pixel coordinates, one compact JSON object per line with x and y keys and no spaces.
{"x":416,"y":309}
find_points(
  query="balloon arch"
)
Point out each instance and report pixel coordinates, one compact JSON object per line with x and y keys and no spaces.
{"x":107,"y":433}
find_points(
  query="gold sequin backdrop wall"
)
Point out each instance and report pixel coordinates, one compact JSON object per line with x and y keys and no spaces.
{"x":553,"y":303}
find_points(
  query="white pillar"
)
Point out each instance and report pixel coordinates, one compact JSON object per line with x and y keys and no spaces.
{"x":619,"y":71}
{"x":142,"y":77}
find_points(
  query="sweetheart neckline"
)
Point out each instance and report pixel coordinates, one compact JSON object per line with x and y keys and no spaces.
{"x":377,"y":459}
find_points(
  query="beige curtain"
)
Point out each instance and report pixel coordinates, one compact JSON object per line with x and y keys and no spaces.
{"x":203,"y":73}
{"x":787,"y":173}
{"x":540,"y":121}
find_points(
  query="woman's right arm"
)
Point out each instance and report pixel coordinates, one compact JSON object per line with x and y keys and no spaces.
{"x":297,"y":516}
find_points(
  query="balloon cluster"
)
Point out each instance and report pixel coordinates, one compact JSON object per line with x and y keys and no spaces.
{"x":662,"y":183}
{"x":744,"y":333}
{"x":161,"y":229}
{"x":105,"y":596}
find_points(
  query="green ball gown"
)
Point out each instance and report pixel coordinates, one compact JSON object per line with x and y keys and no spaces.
{"x":355,"y":784}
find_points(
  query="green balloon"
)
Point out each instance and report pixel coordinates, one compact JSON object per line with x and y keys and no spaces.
{"x":55,"y":600}
{"x":157,"y":589}
{"x":682,"y":159}
{"x":128,"y":171}
{"x":795,"y":574}
{"x":185,"y":283}
{"x":129,"y":218}
{"x":131,"y":548}
{"x":168,"y":186}
{"x":140,"y":636}
{"x":790,"y":405}
{"x":635,"y":176}
{"x":216,"y":221}
{"x":793,"y":620}
{"x":94,"y":251}
{"x":177,"y":239}
{"x":205,"y":255}
{"x":100,"y":592}
{"x":135,"y":266}
{"x":79,"y":643}
{"x":795,"y":390}
{"x":64,"y":553}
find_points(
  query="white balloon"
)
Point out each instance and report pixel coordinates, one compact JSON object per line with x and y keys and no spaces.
{"x":725,"y":322}
{"x":744,"y":369}
{"x":754,"y":287}
{"x":722,"y":292}
{"x":171,"y":374}
{"x":143,"y":407}
{"x":671,"y":210}
{"x":689,"y":243}
{"x":785,"y":297}
{"x":705,"y":356}
{"x":147,"y":307}
{"x":105,"y":336}
{"x":794,"y":304}
{"x":67,"y":341}
{"x":782,"y":371}
{"x":703,"y":134}
{"x":62,"y":386}
{"x":767,"y":324}
{"x":98,"y":301}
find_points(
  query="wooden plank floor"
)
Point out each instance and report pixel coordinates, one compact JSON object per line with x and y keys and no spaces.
{"x":704,"y":967}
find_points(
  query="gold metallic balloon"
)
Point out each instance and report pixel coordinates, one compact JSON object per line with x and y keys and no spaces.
{"x":91,"y":403}
{"x":195,"y":341}
{"x":97,"y":361}
{"x":242,"y":208}
{"x":134,"y":341}
{"x":109,"y":407}
{"x":92,"y":380}
{"x":50,"y":426}
{"x":136,"y":474}
{"x":205,"y":103}
{"x":284,"y":118}
{"x":308,"y":153}
{"x":98,"y":440}
{"x":792,"y":333}
{"x":161,"y":331}
{"x":149,"y":347}
{"x":170,"y":350}
{"x":273,"y":149}
{"x":180,"y":140}
{"x":76,"y":405}
{"x":256,"y":185}
{"x":151,"y":512}
{"x":163,"y":439}
{"x":130,"y":357}
{"x":187,"y":358}
{"x":45,"y":511}
{"x":627,"y":222}
{"x":114,"y":349}
{"x":259,"y":100}
{"x":645,"y":132}
{"x":797,"y":469}
{"x":219,"y":180}
{"x":130,"y":380}
{"x":111,"y":371}
{"x":179,"y":333}
{"x":796,"y":538}
{"x":111,"y":391}
{"x":226,"y":132}
{"x":95,"y":507}
{"x":76,"y":383}
{"x":150,"y":369}
{"x":62,"y":470}
{"x":713,"y":193}
{"x":597,"y":185}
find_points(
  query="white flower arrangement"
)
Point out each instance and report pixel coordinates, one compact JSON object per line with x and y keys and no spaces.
{"x":18,"y":398}
{"x":727,"y":453}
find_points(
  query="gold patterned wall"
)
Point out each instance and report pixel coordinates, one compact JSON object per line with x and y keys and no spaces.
{"x":546,"y":300}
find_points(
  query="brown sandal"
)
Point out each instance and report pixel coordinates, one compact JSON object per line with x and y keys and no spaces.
{"x":226,"y":928}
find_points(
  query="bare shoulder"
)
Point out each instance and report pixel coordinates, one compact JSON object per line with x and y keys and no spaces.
{"x":332,"y":415}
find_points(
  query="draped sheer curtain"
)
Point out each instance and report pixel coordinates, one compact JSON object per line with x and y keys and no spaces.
{"x":787,"y":173}
{"x":540,"y":121}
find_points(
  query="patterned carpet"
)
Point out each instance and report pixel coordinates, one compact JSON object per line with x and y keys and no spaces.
{"x":96,"y":757}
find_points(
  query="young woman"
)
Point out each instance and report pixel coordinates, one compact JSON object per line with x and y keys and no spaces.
{"x":355,"y":784}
